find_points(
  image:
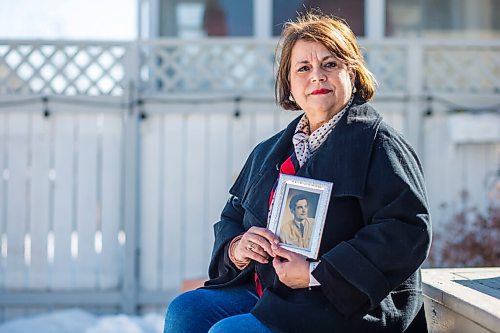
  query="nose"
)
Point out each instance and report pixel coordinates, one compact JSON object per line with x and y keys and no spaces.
{"x":317,"y":75}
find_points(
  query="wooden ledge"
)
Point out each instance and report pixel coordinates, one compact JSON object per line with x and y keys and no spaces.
{"x":462,"y":299}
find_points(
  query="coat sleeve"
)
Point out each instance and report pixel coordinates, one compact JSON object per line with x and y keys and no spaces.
{"x":221,"y":269}
{"x":359,"y":273}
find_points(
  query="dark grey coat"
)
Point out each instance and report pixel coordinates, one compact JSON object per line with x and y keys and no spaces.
{"x":376,"y":236}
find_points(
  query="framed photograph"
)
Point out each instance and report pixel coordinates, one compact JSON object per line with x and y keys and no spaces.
{"x":298,"y":213}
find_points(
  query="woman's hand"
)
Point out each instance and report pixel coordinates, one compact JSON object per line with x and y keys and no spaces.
{"x":256,"y":245}
{"x":292,"y":268}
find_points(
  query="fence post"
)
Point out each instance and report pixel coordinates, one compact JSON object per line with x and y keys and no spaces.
{"x":131,"y":211}
{"x":414,"y":113}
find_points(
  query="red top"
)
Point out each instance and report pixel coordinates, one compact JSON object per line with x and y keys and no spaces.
{"x":289,"y":167}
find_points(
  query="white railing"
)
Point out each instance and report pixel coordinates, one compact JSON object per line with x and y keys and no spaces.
{"x":33,"y":67}
{"x":232,"y":66}
{"x":116,"y":158}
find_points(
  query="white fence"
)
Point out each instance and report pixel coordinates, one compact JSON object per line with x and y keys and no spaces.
{"x":116,"y":158}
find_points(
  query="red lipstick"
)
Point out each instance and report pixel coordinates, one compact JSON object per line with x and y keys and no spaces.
{"x":320,"y":91}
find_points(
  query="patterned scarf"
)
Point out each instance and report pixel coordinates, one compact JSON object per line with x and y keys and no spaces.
{"x":305,"y":143}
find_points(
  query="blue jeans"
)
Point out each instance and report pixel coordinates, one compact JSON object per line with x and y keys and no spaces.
{"x":215,"y":311}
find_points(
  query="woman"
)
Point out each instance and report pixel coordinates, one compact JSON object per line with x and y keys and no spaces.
{"x":377,"y":229}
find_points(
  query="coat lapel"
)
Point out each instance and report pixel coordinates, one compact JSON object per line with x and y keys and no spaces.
{"x":267,"y":159}
{"x":342,"y":159}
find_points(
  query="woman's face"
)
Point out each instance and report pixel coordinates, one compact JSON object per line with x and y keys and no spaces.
{"x":320,"y":83}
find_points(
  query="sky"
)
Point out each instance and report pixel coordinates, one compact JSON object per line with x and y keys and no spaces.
{"x":68,"y":19}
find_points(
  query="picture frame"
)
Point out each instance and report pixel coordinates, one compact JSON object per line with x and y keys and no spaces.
{"x":298,"y":213}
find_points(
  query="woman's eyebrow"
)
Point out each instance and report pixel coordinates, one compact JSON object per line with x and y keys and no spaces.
{"x":323,"y":59}
{"x":302,"y":62}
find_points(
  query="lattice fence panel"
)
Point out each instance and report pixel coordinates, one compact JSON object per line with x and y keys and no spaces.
{"x":226,"y":66}
{"x":208,"y":67}
{"x":388,"y":64}
{"x":472,"y":69}
{"x":65,"y":69}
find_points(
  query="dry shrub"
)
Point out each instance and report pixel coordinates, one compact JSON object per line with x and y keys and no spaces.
{"x":470,"y":239}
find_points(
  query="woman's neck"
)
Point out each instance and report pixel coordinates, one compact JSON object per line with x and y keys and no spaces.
{"x":316,"y":122}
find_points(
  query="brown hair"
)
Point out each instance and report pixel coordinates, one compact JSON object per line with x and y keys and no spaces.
{"x":337,"y":37}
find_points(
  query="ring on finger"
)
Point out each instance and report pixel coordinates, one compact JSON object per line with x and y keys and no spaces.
{"x":251,"y":246}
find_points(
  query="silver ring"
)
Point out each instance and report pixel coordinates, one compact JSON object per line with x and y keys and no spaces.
{"x":251,"y":246}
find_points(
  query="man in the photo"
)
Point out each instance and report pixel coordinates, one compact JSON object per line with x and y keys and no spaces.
{"x":297,"y":231}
